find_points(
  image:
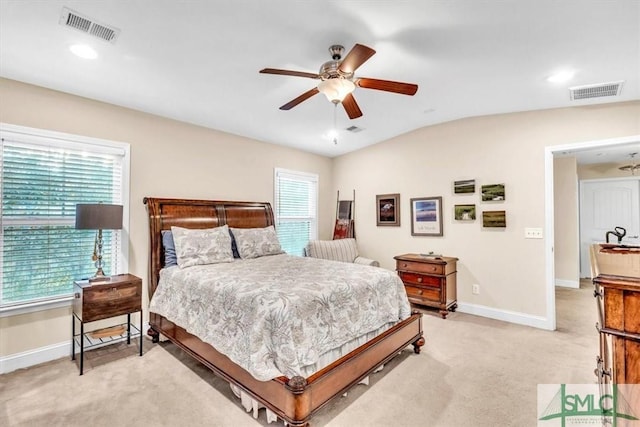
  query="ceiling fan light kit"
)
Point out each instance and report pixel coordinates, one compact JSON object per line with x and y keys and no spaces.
{"x":337,"y":80}
{"x":336,"y":89}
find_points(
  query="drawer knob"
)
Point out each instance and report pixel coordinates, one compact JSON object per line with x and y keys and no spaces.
{"x":433,"y":269}
{"x":404,"y":265}
{"x":419,"y":279}
{"x":420,"y":292}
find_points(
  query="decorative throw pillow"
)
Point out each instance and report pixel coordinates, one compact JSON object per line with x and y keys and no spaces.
{"x":202,"y":246}
{"x":257,"y":242}
{"x":170,"y":257}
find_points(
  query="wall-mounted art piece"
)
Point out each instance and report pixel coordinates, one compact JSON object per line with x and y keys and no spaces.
{"x":494,"y":219}
{"x":426,"y":216}
{"x":467,"y":186}
{"x":493,"y":193}
{"x":388,"y":209}
{"x":464,"y":212}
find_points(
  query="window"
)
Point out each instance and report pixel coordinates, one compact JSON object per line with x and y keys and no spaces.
{"x":44,"y":175}
{"x":296,"y":212}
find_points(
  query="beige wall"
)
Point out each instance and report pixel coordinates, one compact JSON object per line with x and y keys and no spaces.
{"x":566,"y":232}
{"x":168,"y":159}
{"x":507,"y":149}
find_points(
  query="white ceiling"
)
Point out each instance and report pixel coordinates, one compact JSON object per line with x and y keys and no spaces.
{"x":198,"y":61}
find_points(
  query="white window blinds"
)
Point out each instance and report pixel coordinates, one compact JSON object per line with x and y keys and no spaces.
{"x":42,"y":180}
{"x":296,"y":212}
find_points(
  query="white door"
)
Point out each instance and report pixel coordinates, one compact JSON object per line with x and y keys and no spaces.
{"x":604,"y":205}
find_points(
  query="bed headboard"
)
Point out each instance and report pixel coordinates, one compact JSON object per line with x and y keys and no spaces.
{"x":163,"y":213}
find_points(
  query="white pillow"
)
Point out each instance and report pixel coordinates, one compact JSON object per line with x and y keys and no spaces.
{"x":202,"y":246}
{"x":256,"y":242}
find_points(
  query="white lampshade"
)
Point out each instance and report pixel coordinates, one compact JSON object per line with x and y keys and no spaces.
{"x":336,"y":89}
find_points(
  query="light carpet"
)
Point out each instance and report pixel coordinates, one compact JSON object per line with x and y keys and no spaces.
{"x":472,"y":372}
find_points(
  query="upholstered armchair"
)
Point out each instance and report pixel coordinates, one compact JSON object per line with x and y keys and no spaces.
{"x":344,"y":250}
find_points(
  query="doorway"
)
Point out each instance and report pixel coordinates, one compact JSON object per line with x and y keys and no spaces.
{"x":550,"y":321}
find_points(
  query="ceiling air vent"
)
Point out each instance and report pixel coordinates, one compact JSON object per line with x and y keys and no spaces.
{"x":596,"y":90}
{"x":354,"y":129}
{"x":72,"y":19}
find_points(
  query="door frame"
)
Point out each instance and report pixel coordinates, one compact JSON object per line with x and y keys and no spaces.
{"x":550,"y":321}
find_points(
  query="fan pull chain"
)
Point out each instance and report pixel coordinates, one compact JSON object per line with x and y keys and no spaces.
{"x":335,"y":127}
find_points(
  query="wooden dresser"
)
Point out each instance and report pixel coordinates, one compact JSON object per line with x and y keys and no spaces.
{"x":429,"y":280}
{"x":616,"y":277}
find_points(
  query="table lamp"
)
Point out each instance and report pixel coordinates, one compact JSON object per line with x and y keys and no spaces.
{"x":98,"y":217}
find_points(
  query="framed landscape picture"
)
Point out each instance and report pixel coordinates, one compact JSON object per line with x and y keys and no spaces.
{"x":467,"y":186}
{"x":388,"y":209}
{"x":493,"y":193}
{"x":464,"y":212}
{"x":496,"y":219}
{"x":426,"y":216}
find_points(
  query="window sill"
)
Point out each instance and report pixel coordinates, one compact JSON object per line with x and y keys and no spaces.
{"x":36,"y":306}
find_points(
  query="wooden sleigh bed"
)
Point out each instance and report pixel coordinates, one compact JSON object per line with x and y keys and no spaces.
{"x":295,"y":399}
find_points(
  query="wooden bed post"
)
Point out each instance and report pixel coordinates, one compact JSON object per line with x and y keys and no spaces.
{"x":301,"y":400}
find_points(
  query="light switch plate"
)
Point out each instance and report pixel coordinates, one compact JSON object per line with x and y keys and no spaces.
{"x":533,"y":233}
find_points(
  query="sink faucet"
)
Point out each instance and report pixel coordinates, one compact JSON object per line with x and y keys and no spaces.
{"x":619,"y":232}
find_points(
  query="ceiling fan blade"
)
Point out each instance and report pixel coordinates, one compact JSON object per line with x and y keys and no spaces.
{"x":387,"y":86}
{"x":355,"y":58}
{"x":289,"y":73}
{"x":351,"y":107}
{"x":308,"y":94}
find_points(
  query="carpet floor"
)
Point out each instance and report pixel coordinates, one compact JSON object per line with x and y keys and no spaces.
{"x":472,"y":371}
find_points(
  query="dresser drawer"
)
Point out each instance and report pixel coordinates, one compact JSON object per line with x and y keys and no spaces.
{"x":431,"y":294}
{"x":420,"y":279}
{"x":420,"y":267}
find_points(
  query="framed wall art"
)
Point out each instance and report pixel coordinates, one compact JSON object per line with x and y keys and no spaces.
{"x":494,"y":219}
{"x":493,"y":193}
{"x":464,"y":212}
{"x":426,"y":216}
{"x":467,"y":186}
{"x":388,"y":209}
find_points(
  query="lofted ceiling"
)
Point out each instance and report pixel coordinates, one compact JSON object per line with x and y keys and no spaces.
{"x":198,"y":61}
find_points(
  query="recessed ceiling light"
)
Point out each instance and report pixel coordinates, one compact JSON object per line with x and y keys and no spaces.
{"x":561,"y":77}
{"x":83,"y":51}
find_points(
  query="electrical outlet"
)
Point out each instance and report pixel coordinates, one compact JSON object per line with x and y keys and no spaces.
{"x":475,"y":289}
{"x":533,"y":233}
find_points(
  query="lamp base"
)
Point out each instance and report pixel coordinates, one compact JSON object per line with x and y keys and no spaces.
{"x":99,"y":277}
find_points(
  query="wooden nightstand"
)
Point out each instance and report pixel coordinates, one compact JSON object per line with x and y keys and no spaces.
{"x":121,"y":295}
{"x":429,"y":281}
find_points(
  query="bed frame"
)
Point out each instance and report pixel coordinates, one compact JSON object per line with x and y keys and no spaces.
{"x":294,"y":399}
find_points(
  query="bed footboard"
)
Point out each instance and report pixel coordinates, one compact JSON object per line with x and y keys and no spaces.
{"x":296,"y":399}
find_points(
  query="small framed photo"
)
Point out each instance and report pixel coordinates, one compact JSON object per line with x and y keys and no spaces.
{"x":464,"y":212}
{"x":467,"y":186}
{"x":388,"y":209}
{"x":494,"y":219}
{"x":426,"y":216}
{"x":493,"y":193}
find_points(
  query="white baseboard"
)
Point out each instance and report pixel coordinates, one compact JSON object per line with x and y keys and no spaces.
{"x":43,"y":354}
{"x":575,"y":284}
{"x":505,"y":315}
{"x":34,"y":357}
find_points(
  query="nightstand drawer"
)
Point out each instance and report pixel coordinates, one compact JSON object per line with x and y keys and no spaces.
{"x":104,"y":300}
{"x":420,"y":267}
{"x":420,"y":279}
{"x":431,"y":294}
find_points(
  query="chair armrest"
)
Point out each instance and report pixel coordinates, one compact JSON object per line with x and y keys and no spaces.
{"x":366,"y":261}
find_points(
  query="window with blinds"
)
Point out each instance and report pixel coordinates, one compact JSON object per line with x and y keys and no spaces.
{"x":43,"y":179}
{"x":296,"y":212}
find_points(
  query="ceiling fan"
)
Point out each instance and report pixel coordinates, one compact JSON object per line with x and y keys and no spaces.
{"x":337,"y":81}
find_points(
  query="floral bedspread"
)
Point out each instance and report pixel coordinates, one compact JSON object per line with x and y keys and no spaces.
{"x":275,"y":314}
